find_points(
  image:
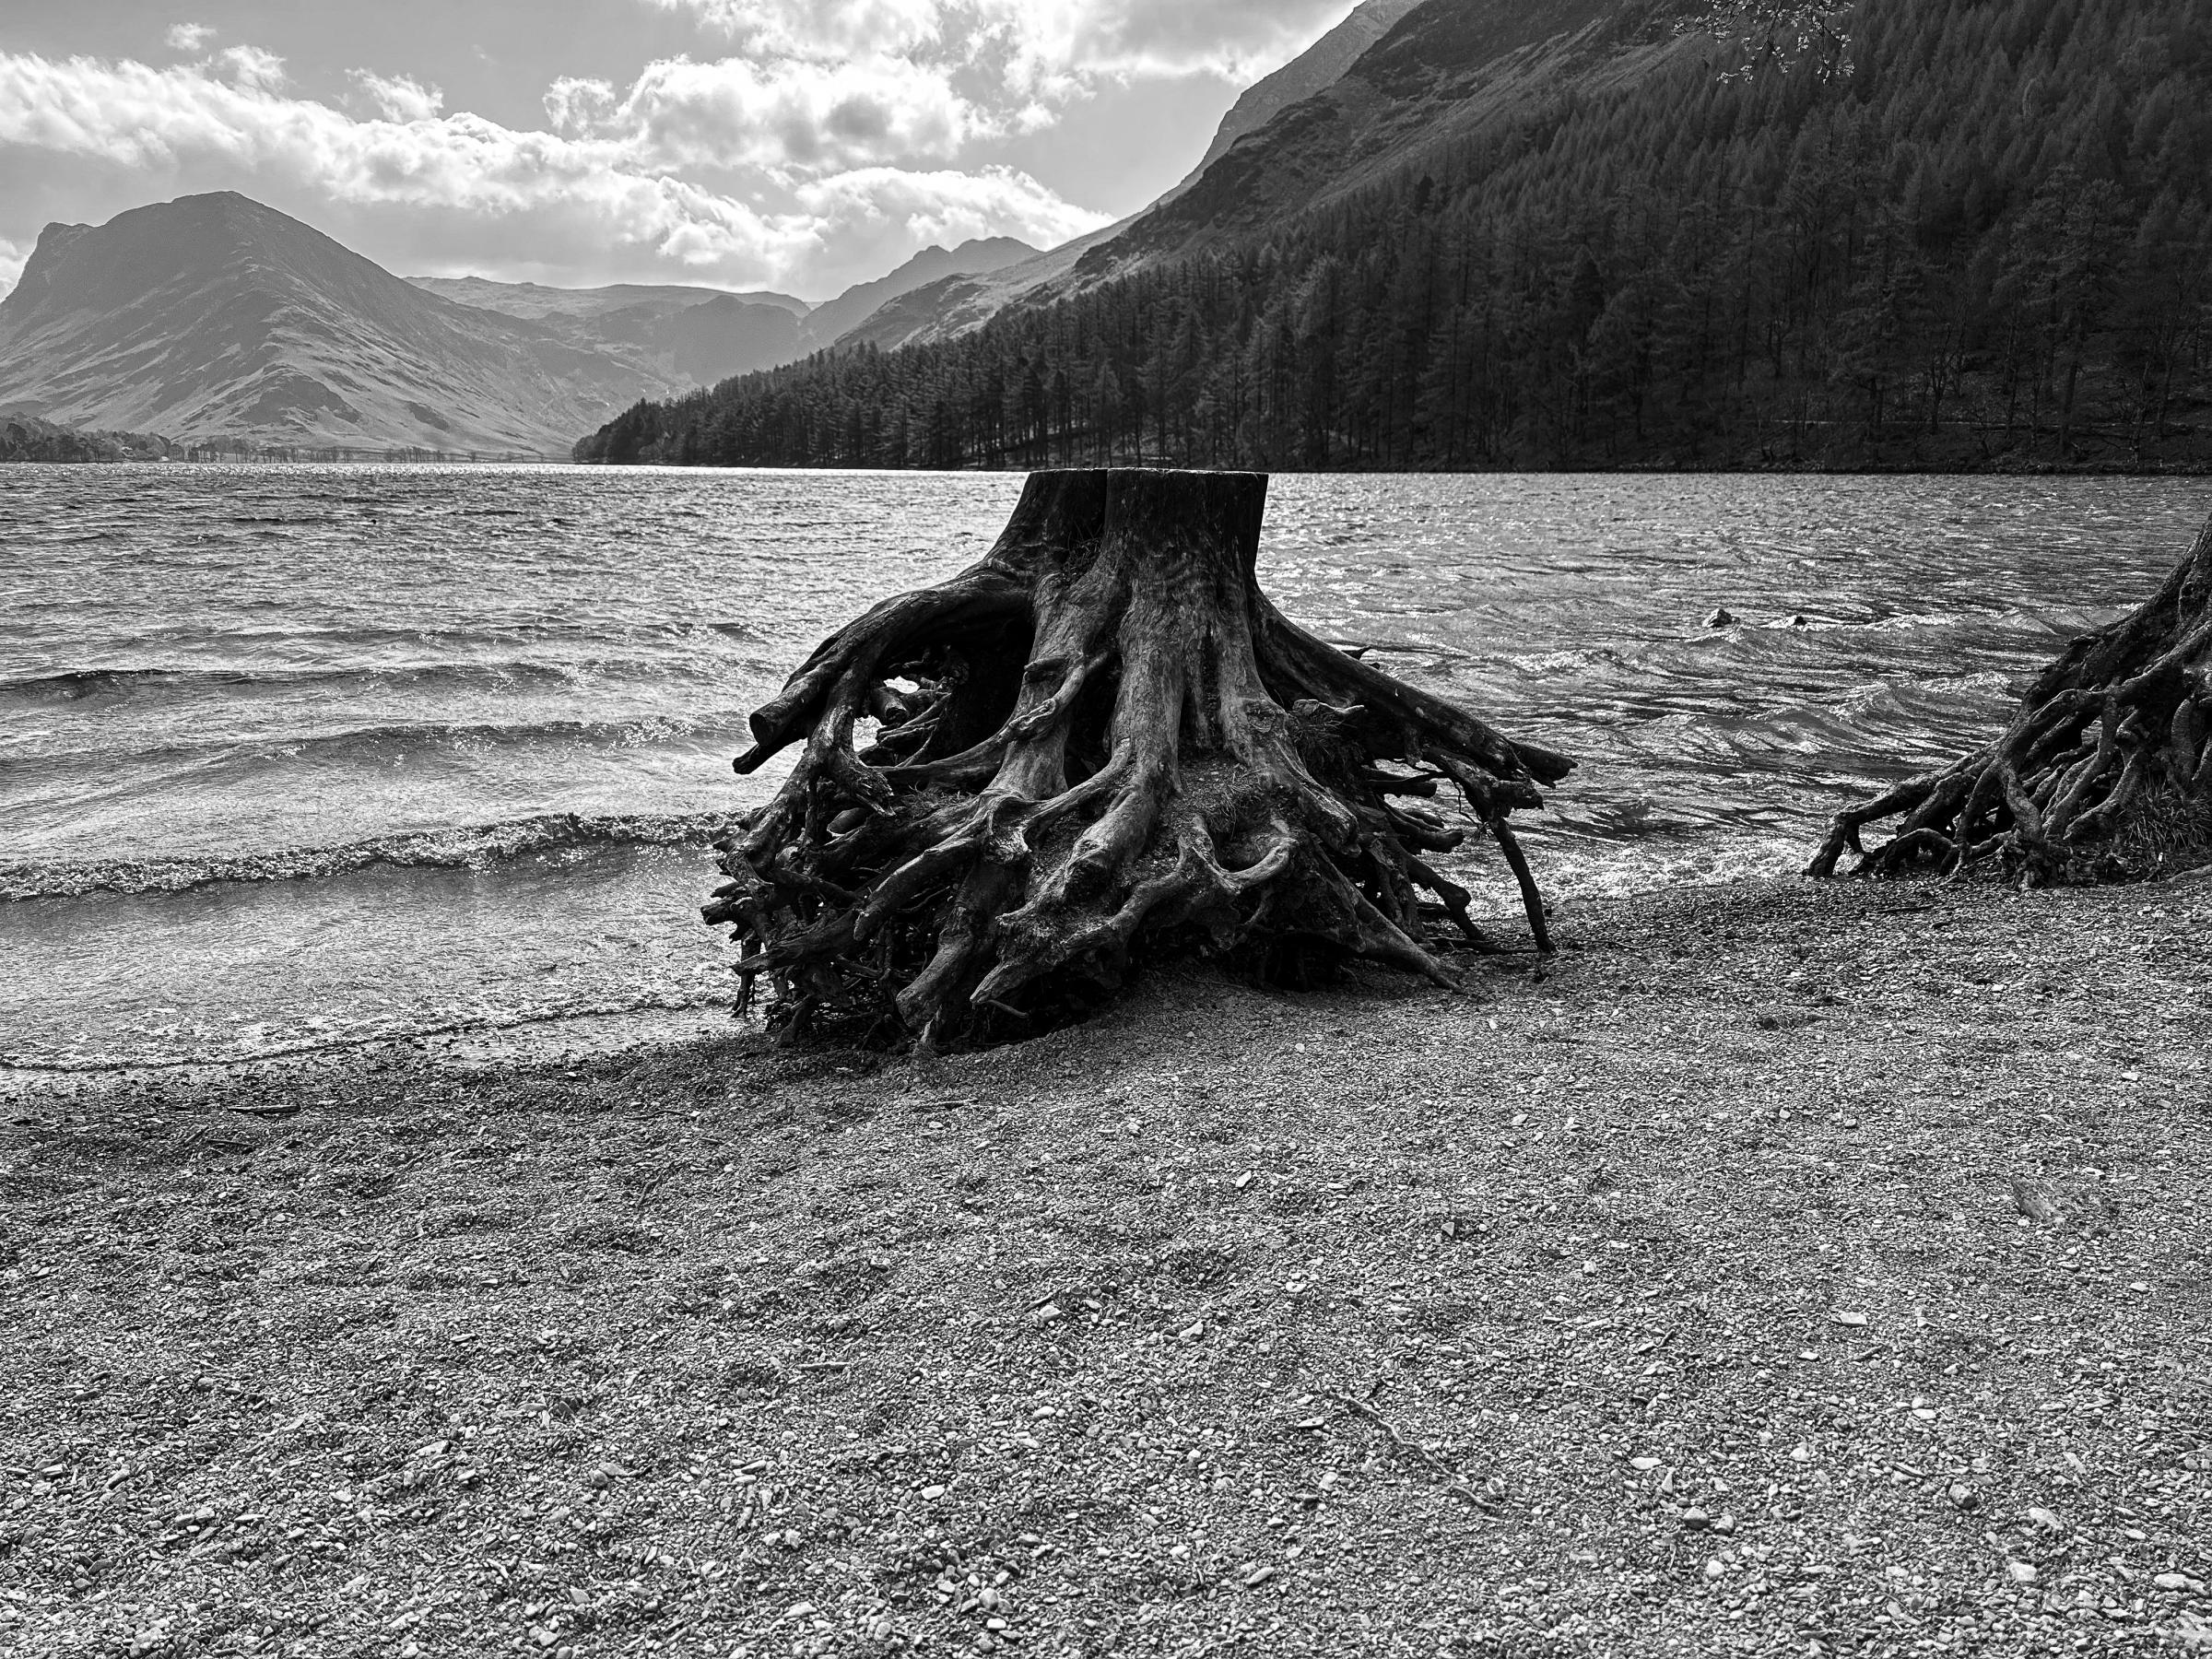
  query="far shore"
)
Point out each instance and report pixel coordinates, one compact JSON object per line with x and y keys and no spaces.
{"x":1782,"y":1268}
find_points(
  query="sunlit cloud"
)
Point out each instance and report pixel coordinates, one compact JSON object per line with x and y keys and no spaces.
{"x":13,"y":257}
{"x":826,"y":198}
{"x":798,"y":117}
{"x":1053,"y":49}
{"x":399,"y":98}
{"x":190,"y":37}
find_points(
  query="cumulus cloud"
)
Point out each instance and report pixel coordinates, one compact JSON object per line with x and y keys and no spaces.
{"x":1053,"y":49}
{"x":399,"y":98}
{"x":799,"y":117}
{"x":825,"y":158}
{"x":14,"y":256}
{"x":874,"y":216}
{"x":190,"y":37}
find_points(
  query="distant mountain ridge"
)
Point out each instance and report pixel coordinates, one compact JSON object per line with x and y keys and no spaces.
{"x":535,"y":301}
{"x":691,"y":336}
{"x":215,"y":320}
{"x":829,"y":323}
{"x":214,"y":316}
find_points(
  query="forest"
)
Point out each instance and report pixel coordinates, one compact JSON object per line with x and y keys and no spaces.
{"x":1965,"y":234}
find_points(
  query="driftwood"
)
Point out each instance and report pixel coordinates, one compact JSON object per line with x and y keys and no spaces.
{"x":1101,"y":742}
{"x":2104,"y":773}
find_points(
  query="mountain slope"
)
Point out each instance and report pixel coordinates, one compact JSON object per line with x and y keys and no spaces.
{"x":1396,"y":80}
{"x":535,"y":302}
{"x":1445,"y":72}
{"x":1311,"y":71}
{"x":692,"y":336}
{"x":829,"y":323}
{"x":953,"y":305}
{"x":1934,"y":234}
{"x":214,"y":317}
{"x":950,"y":306}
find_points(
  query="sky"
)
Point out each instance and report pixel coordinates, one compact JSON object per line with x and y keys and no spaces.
{"x":793,"y":145}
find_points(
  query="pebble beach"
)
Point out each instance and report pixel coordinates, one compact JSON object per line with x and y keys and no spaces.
{"x":1781,"y":1268}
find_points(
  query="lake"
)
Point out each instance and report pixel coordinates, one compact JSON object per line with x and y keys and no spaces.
{"x":294,"y":755}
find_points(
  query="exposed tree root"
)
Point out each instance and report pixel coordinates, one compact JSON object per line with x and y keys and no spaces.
{"x":1101,"y":741}
{"x":2104,"y":773}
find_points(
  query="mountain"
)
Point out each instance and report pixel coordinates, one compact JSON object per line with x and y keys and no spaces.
{"x":951,"y":306}
{"x":829,"y":323}
{"x":948,"y":306}
{"x":692,"y":336}
{"x":535,"y":302}
{"x":1443,"y":73}
{"x":1311,"y":71}
{"x":1931,"y":234}
{"x":214,"y":317}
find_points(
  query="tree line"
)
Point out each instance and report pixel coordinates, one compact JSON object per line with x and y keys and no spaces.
{"x":1960,"y":233}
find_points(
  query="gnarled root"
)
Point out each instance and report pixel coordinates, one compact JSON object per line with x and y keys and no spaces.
{"x":1101,"y":740}
{"x":2105,"y":772}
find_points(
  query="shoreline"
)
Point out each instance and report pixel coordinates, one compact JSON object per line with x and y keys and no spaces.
{"x":1788,"y":1264}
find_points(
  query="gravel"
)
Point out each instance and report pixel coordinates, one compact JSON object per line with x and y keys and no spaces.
{"x":1786,"y":1269}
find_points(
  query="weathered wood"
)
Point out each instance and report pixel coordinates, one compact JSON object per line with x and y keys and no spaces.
{"x":2103,"y":774}
{"x":1101,"y":741}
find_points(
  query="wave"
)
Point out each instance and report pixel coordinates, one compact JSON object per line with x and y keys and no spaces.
{"x":81,"y":685}
{"x":606,"y":634}
{"x":222,"y":760}
{"x":472,"y":847}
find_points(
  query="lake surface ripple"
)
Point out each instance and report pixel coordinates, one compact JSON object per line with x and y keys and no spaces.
{"x":294,"y":755}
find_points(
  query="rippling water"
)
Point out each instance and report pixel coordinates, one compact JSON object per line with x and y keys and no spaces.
{"x":293,"y":753}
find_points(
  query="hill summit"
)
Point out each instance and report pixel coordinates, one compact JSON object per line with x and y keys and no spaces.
{"x":216,"y":317}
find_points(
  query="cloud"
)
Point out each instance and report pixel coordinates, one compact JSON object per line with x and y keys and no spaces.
{"x":400,"y":98}
{"x":819,"y":188}
{"x":798,"y":117}
{"x":1053,"y":49}
{"x":873,"y":217}
{"x":252,"y":69}
{"x":190,"y":37}
{"x":14,"y":256}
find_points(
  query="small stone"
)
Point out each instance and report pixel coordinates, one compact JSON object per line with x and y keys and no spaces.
{"x":542,"y":1636}
{"x":1646,"y":1464}
{"x":2022,"y":1574}
{"x":1696,"y":1520}
{"x":1853,"y":1320}
{"x":799,"y":1610}
{"x":1191,"y":1333}
{"x":2171,"y":1581}
{"x":1716,"y":1568}
{"x":930,"y":1494}
{"x":1801,"y":1453}
{"x":1258,"y":1576}
{"x":1243,"y":1181}
{"x":1964,"y":1496}
{"x":1725,"y":1524}
{"x":1722,"y":617}
{"x":2046,"y":1520}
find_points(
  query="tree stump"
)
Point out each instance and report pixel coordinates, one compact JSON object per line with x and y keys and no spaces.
{"x":2104,"y":773}
{"x":1099,"y":742}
